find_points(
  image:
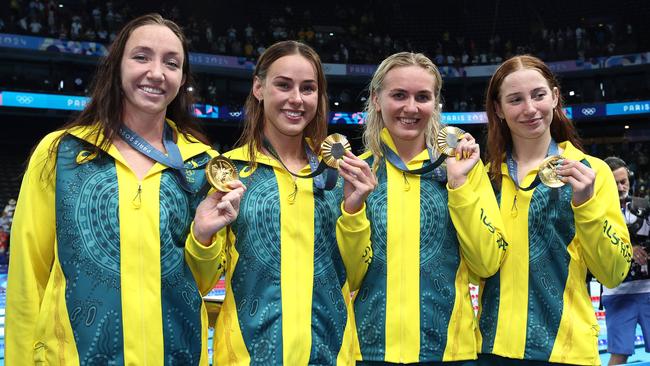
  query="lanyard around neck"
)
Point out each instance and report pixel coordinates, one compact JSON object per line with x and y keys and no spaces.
{"x":173,"y":159}
{"x":397,"y":162}
{"x":512,"y":166}
{"x":331,"y":175}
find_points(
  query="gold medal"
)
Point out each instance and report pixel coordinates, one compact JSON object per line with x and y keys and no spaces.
{"x":220,"y":171}
{"x":448,"y":138}
{"x":333,"y":148}
{"x":547,"y":173}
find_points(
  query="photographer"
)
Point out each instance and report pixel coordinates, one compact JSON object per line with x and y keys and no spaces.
{"x":629,"y":303}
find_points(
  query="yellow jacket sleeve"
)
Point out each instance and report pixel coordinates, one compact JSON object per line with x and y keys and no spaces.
{"x":353,"y":237}
{"x":601,"y":230}
{"x":33,"y":237}
{"x":475,"y":213}
{"x":206,"y":262}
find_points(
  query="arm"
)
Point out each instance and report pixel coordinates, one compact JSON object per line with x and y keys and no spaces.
{"x":207,"y":263}
{"x":353,"y":238}
{"x":476,"y":217}
{"x":209,"y":235}
{"x":33,"y":237}
{"x":353,"y":227}
{"x":601,"y":230}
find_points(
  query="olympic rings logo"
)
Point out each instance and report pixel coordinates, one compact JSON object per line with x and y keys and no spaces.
{"x":588,"y":111}
{"x":24,"y":99}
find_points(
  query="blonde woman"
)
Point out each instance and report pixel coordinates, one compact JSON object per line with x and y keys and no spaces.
{"x":429,"y":229}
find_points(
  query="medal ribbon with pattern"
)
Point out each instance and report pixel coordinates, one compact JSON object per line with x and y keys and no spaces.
{"x":173,"y":159}
{"x":334,"y":147}
{"x":447,"y":140}
{"x":551,"y":158}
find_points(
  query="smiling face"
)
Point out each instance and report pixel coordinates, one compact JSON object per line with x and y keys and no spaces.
{"x":290,"y":96}
{"x":406,"y":102}
{"x":526,"y":102}
{"x":151,"y":70}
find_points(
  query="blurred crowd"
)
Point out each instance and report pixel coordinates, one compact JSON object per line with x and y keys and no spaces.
{"x":340,"y":32}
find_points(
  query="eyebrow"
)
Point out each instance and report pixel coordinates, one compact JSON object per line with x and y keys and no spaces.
{"x":150,"y":50}
{"x":290,"y":79}
{"x":532,"y":91}
{"x":406,"y":91}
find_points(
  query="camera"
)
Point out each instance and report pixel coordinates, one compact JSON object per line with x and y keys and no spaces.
{"x":639,"y":207}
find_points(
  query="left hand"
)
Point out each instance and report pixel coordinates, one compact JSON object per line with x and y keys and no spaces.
{"x":580,"y":177}
{"x":359,"y":182}
{"x":468,"y":154}
{"x":217,"y":210}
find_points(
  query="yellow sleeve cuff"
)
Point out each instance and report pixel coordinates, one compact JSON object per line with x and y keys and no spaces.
{"x":353,"y":222}
{"x":202,"y":252}
{"x":465,"y":194}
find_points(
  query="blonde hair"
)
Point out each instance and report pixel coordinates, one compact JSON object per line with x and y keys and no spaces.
{"x":374,"y":123}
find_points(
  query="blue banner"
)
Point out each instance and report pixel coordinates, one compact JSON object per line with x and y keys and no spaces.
{"x":204,"y":59}
{"x":346,"y":118}
{"x":586,"y":111}
{"x":47,"y":101}
{"x":617,"y":109}
{"x":77,"y":103}
{"x":52,"y":45}
{"x":460,"y":118}
{"x":205,"y":111}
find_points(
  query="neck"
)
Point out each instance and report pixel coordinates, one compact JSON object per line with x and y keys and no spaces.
{"x":407,"y":150}
{"x":530,"y":150}
{"x":289,"y":148}
{"x":149,"y":127}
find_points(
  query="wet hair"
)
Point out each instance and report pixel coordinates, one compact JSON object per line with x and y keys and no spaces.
{"x":499,"y":138}
{"x":254,"y":119}
{"x":106,"y":103}
{"x":374,"y":122}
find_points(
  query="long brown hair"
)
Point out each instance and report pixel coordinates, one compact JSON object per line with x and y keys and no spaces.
{"x":254,"y":121}
{"x":499,"y":137}
{"x":106,"y":100}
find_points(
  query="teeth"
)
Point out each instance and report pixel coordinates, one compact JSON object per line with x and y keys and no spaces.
{"x":408,"y":121}
{"x":151,"y":90}
{"x":294,"y":114}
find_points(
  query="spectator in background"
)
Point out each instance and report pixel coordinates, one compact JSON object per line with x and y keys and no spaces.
{"x":629,"y":303}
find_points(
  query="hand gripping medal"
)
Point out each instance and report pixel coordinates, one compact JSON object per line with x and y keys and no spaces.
{"x":547,"y":171}
{"x":220,"y":171}
{"x":334,"y":148}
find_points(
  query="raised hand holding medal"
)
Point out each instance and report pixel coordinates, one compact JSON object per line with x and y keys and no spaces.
{"x":359,"y":178}
{"x":220,"y":207}
{"x":463,"y":151}
{"x":580,"y":177}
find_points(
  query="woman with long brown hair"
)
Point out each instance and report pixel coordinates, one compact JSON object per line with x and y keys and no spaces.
{"x":299,"y":245}
{"x":536,"y":309}
{"x":107,"y":266}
